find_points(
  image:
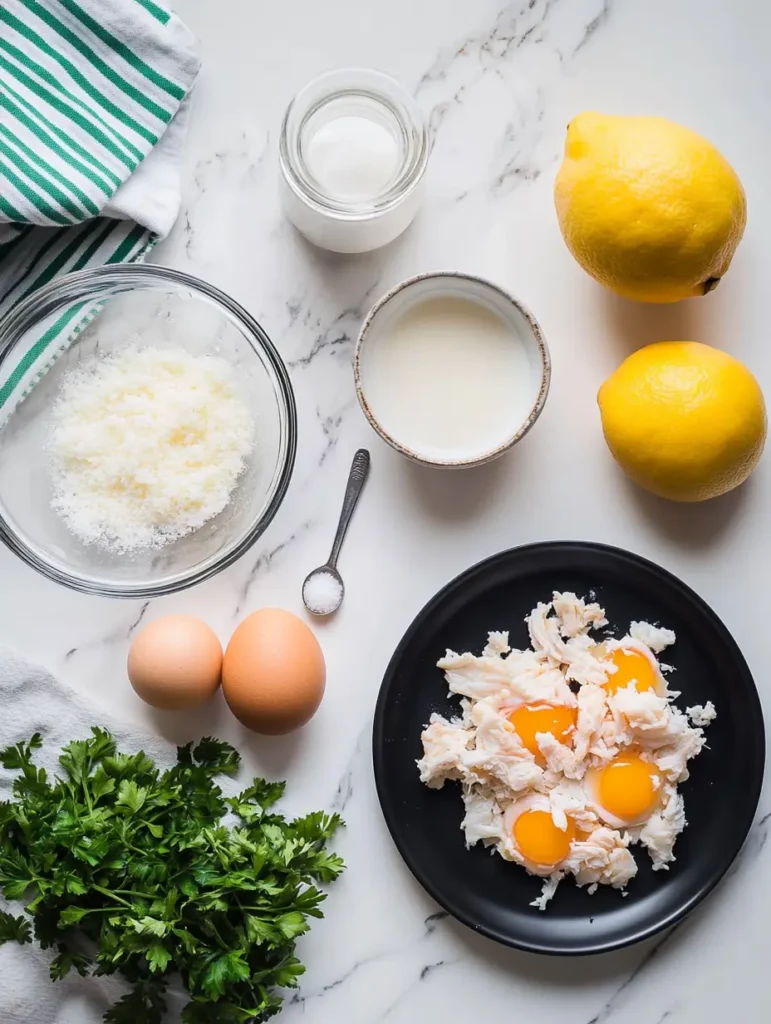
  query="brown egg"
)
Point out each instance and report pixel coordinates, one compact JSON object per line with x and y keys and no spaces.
{"x":175,"y":663}
{"x":273,"y":675}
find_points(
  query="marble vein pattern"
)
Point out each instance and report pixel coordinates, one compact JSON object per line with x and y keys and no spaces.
{"x":497,"y":83}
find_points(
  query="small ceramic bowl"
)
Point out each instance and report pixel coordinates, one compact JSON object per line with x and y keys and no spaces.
{"x":525,"y":332}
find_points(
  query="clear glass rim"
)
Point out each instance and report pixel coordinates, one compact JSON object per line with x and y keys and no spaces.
{"x":372,"y":84}
{"x":72,"y":287}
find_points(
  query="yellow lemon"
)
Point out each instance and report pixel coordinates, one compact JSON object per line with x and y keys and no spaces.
{"x":684,"y":420}
{"x":647,"y":207}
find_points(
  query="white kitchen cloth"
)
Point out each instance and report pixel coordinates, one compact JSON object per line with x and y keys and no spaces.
{"x":31,"y":701}
{"x":94,"y":97}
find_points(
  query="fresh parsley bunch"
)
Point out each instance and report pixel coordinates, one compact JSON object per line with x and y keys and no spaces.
{"x":128,"y":869}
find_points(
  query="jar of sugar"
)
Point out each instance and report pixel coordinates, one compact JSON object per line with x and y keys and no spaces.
{"x":353,"y":151}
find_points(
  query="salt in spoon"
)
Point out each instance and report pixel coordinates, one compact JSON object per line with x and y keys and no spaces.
{"x":323,"y":589}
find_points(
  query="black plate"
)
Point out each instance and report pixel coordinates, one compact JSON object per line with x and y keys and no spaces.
{"x":482,"y":890}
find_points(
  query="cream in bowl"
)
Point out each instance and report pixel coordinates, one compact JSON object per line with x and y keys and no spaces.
{"x":451,"y":370}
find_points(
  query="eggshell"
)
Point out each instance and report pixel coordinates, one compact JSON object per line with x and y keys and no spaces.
{"x":273,"y":674}
{"x":175,"y":663}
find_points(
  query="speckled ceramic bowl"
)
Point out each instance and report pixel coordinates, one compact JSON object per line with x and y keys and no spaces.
{"x":453,"y":284}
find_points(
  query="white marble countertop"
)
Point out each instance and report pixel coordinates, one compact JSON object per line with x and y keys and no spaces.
{"x":500,"y":83}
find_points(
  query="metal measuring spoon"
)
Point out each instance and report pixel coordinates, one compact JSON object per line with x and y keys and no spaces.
{"x":323,"y":589}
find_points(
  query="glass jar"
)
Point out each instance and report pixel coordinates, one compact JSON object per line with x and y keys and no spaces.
{"x":353,"y":151}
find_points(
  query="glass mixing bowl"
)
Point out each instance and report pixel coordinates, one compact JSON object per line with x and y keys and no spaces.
{"x":142,"y":306}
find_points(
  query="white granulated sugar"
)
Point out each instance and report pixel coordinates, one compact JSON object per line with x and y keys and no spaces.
{"x":322,"y":593}
{"x":146,"y":446}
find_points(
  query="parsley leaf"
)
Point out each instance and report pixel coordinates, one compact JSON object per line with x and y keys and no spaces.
{"x":65,"y":962}
{"x":20,"y":756}
{"x":14,"y":929}
{"x":135,"y":865}
{"x":131,"y":796}
{"x":217,"y":756}
{"x":145,"y":1004}
{"x":219,"y":972}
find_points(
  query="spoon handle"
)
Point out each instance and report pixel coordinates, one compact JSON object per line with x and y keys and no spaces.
{"x":356,"y":479}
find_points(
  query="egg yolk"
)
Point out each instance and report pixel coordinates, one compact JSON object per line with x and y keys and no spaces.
{"x":627,"y":787}
{"x":540,"y":841}
{"x":530,"y":719}
{"x":631,"y":665}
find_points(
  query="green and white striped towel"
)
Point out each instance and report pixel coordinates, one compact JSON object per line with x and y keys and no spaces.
{"x":93,"y":108}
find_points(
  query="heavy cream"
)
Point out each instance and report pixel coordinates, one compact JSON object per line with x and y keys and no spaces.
{"x":449,"y":376}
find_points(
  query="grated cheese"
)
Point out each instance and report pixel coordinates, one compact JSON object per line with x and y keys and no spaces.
{"x":146,"y":446}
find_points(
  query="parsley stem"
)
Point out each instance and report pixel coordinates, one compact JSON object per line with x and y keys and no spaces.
{"x":133,"y":892}
{"x":218,"y":937}
{"x":110,"y":895}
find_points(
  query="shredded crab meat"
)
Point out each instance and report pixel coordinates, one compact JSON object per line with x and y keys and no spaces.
{"x":603,"y":858}
{"x":567,"y":665}
{"x":702,"y":714}
{"x":518,"y":676}
{"x":660,"y":826}
{"x":443,"y":747}
{"x":575,"y":616}
{"x":483,"y":821}
{"x":654,"y":637}
{"x":497,"y":643}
